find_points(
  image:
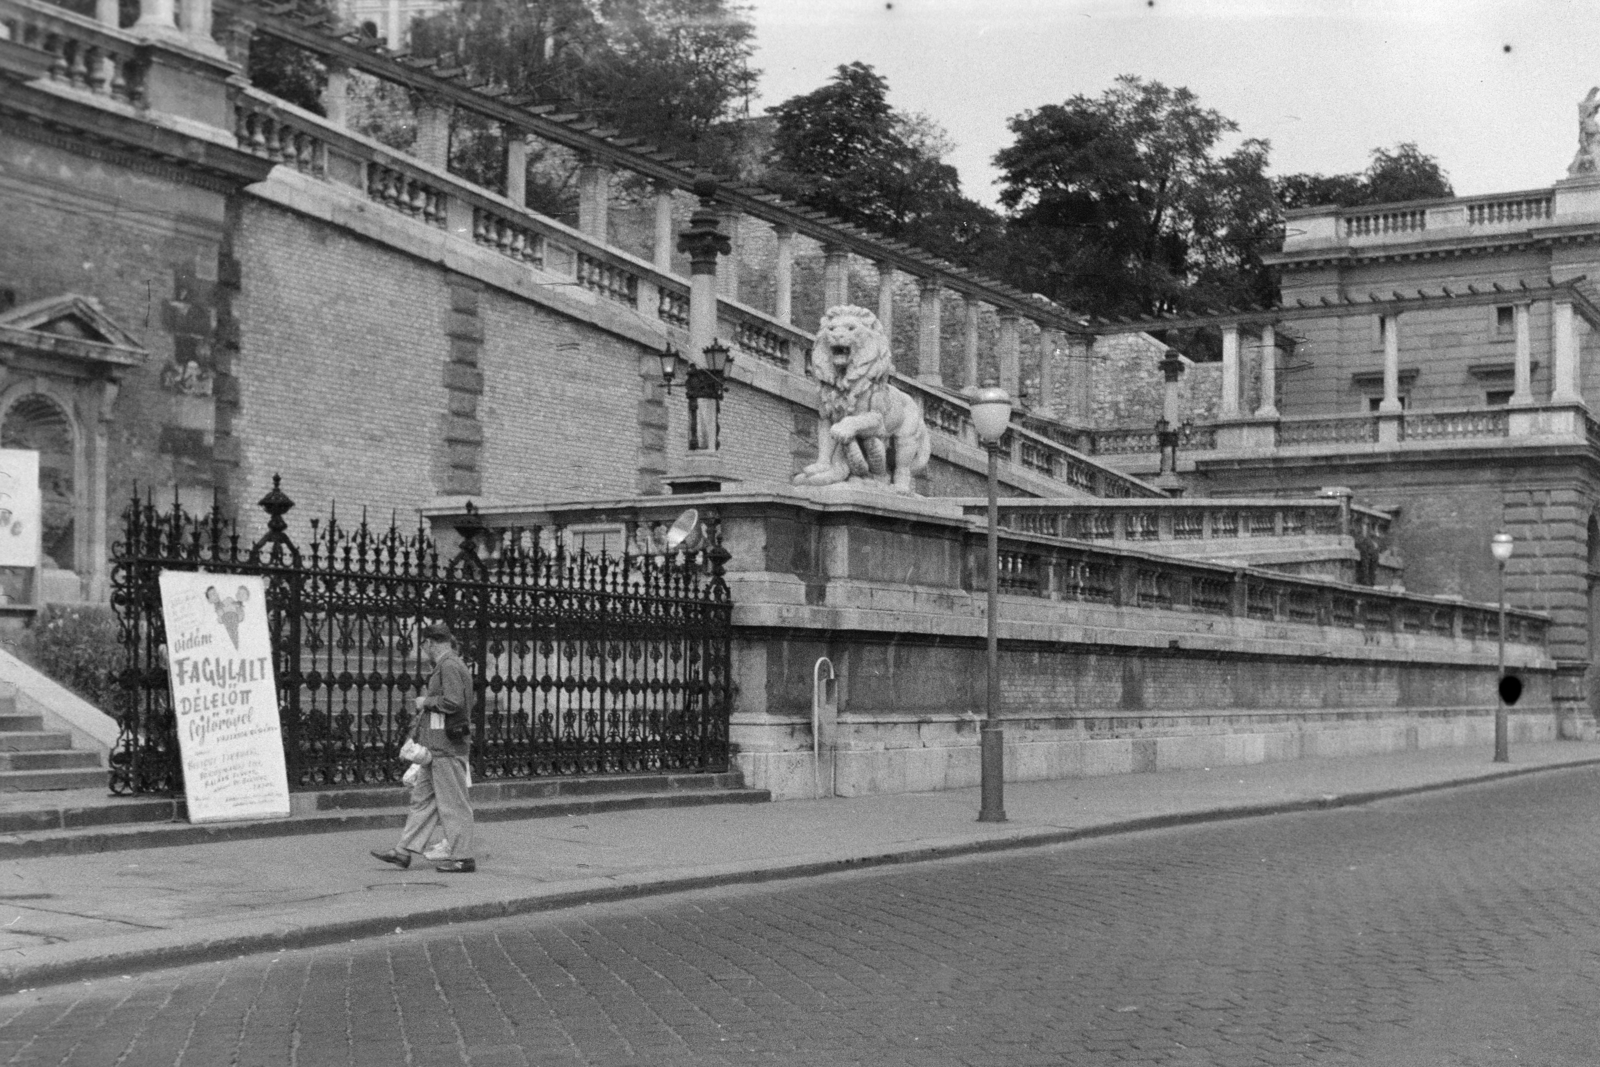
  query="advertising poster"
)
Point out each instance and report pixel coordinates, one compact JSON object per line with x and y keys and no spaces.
{"x":20,"y":507}
{"x":224,"y":696}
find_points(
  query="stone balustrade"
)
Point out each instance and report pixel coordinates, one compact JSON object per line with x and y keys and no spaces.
{"x":1039,"y":565}
{"x":83,"y":53}
{"x":1160,"y":520}
{"x":1024,"y":446}
{"x":1398,"y":223}
{"x":1362,"y":430}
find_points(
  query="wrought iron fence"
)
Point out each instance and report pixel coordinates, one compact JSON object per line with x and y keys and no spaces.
{"x":583,"y":662}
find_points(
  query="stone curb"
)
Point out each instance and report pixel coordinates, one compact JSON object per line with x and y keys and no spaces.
{"x":141,"y":952}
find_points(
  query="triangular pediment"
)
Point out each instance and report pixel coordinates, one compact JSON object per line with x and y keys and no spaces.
{"x":70,"y":325}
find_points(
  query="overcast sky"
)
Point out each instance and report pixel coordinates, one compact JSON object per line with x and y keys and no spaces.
{"x":1489,"y":87}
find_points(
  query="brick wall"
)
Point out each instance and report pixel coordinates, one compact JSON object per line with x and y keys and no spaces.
{"x":341,"y":368}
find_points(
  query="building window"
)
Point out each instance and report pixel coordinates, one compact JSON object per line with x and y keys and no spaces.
{"x":1374,"y":401}
{"x":1505,"y":321}
{"x":1497,"y":398}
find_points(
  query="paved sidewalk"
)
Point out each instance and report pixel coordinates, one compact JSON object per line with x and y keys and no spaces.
{"x":72,"y":916}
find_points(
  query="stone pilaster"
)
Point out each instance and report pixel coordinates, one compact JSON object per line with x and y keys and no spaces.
{"x":462,"y":436}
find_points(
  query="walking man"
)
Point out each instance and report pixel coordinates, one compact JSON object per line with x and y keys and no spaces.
{"x":444,"y":728}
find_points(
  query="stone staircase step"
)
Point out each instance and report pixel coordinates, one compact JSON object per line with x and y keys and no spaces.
{"x":11,"y":721}
{"x":51,"y":760}
{"x":29,"y":781}
{"x":94,"y":822}
{"x":35,"y":741}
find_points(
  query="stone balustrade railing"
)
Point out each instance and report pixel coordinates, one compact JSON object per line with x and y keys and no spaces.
{"x":83,"y":53}
{"x":1038,"y":565}
{"x":1398,"y":223}
{"x":1231,"y":520}
{"x":1025,"y":446}
{"x":1358,"y":429}
{"x":267,"y":127}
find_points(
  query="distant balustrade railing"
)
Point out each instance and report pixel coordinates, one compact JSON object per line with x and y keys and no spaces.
{"x":608,"y":279}
{"x":1397,"y":220}
{"x":1441,"y":425}
{"x":406,"y":192}
{"x":1025,"y":445}
{"x":264,"y":134}
{"x":1125,"y":442}
{"x":1036,"y":565}
{"x":761,"y":341}
{"x":82,"y":53}
{"x":1345,"y":429}
{"x":492,"y":229}
{"x":672,"y":307}
{"x":1499,"y":212}
{"x":1146,"y":521}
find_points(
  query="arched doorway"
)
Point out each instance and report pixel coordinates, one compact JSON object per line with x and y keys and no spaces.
{"x":39,"y":423}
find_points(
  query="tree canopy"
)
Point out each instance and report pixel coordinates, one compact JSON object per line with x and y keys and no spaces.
{"x":843,"y":149}
{"x":1126,"y":204}
{"x":668,"y":71}
{"x":1402,"y":173}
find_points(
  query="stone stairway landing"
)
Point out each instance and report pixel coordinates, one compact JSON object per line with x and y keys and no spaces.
{"x":33,"y":758}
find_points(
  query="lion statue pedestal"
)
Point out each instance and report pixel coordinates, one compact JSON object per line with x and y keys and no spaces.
{"x":875,"y":433}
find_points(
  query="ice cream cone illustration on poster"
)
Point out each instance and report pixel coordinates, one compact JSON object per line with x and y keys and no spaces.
{"x":229,"y":611}
{"x":224,"y":696}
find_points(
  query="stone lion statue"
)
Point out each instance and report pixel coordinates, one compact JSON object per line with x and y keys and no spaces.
{"x":874,"y":431}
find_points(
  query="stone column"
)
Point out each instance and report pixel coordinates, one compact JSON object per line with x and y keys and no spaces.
{"x":516,"y":166}
{"x":886,"y":299}
{"x":1229,"y":408}
{"x":157,"y":18}
{"x":433,"y":135}
{"x":969,"y":356}
{"x":704,"y":241}
{"x":1049,"y":343}
{"x":393,"y":32}
{"x":1167,"y":428}
{"x":196,"y":18}
{"x":1522,"y":375}
{"x":835,"y":276}
{"x":783,"y":276}
{"x":663,"y":245}
{"x":928,"y":330}
{"x":1010,"y":356}
{"x":728,"y":280}
{"x":106,"y":13}
{"x":1566,"y":385}
{"x":1269,"y":374}
{"x":594,"y":200}
{"x":336,"y":95}
{"x":1390,"y":404}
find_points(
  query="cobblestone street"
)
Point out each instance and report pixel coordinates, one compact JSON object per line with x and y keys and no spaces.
{"x":1454,"y":928}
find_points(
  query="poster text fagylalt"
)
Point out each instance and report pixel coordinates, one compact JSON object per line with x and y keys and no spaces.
{"x":224,"y":696}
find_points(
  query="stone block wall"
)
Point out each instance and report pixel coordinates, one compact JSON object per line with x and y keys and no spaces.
{"x":145,"y":240}
{"x":1087,"y":688}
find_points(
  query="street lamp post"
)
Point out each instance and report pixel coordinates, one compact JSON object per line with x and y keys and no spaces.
{"x":991,"y":414}
{"x":1502,"y":546}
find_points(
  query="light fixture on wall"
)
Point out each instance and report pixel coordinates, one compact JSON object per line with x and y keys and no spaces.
{"x":670,"y":361}
{"x":705,"y":387}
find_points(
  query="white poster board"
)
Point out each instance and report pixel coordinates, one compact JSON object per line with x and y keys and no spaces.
{"x":21,"y":508}
{"x":224,"y":696}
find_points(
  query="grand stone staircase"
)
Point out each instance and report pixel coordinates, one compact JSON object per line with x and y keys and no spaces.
{"x":33,"y":758}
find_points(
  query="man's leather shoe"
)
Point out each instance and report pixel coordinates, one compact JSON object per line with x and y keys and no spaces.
{"x":394,"y":856}
{"x":457,"y":867}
